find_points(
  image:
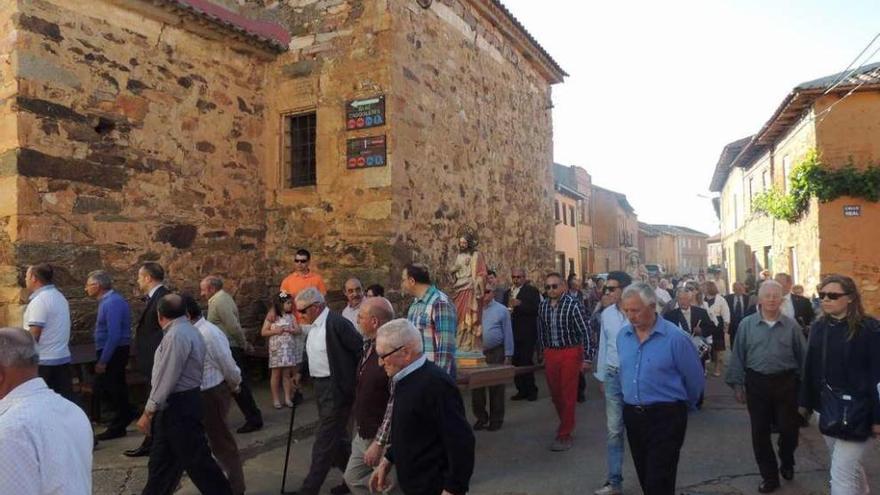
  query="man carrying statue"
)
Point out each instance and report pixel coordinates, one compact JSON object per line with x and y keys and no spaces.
{"x":468,"y":283}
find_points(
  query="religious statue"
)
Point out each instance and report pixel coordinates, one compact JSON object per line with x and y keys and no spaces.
{"x":468,"y":283}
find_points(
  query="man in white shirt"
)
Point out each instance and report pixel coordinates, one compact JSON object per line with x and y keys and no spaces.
{"x":220,"y":378}
{"x":47,"y":316}
{"x":663,"y":296}
{"x":354,"y":293}
{"x":45,"y":440}
{"x":613,"y":320}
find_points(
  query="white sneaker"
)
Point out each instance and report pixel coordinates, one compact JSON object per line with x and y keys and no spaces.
{"x":608,"y":490}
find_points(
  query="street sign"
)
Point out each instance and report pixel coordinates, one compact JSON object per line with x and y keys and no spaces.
{"x":366,"y":152}
{"x":365,"y":113}
{"x":852,"y":211}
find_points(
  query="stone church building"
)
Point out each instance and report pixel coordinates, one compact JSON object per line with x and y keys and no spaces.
{"x":218,"y":136}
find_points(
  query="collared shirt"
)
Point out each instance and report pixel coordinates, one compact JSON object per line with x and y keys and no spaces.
{"x":613,"y":320}
{"x":418,"y":363}
{"x":178,"y":363}
{"x":48,"y":309}
{"x":154,"y":289}
{"x":383,"y":436}
{"x":316,"y":347}
{"x":372,"y":393}
{"x":219,"y":365}
{"x":766,"y":347}
{"x":435,"y":317}
{"x":563,"y":325}
{"x":45,"y":443}
{"x":718,"y":309}
{"x":351,"y":314}
{"x":223,"y":312}
{"x":787,"y":306}
{"x":663,"y":368}
{"x":497,"y":329}
{"x":296,"y":282}
{"x":113,"y":325}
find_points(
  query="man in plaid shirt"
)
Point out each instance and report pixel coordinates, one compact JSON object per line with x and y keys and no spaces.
{"x":433,"y":314}
{"x":564,"y":336}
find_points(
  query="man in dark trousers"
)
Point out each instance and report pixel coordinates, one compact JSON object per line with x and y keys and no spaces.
{"x":741,"y":305}
{"x":432,"y":444}
{"x":174,"y":409}
{"x":333,"y":351}
{"x":150,"y":281}
{"x":522,"y":299}
{"x":765,"y":367}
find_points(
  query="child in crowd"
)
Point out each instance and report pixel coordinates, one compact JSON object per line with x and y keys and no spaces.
{"x":286,"y":343}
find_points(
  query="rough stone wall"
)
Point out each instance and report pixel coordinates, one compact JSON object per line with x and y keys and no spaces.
{"x":139,"y":141}
{"x":473,"y":146}
{"x":339,"y":52}
{"x":848,"y":244}
{"x":9,"y":291}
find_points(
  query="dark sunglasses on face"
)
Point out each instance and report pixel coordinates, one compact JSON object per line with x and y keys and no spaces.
{"x":551,"y":286}
{"x":832,"y":295}
{"x":300,"y":261}
{"x":384,"y":356}
{"x":610,"y":288}
{"x":304,"y":310}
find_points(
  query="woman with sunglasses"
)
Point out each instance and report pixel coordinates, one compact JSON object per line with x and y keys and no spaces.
{"x":842,"y":369}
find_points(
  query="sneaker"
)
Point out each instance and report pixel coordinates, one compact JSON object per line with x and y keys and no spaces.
{"x":561,"y":445}
{"x":609,"y":489}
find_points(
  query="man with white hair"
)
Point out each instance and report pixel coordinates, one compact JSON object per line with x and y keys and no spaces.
{"x":45,"y":440}
{"x":333,"y":351}
{"x":765,"y":366}
{"x":433,"y":445}
{"x":661,"y":378}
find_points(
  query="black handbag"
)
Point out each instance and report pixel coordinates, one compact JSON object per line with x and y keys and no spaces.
{"x":842,"y":414}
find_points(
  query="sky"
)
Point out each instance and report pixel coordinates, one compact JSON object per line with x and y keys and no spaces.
{"x":656,"y":89}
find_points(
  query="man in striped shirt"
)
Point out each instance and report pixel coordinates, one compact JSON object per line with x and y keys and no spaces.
{"x":564,"y":336}
{"x":220,"y":378}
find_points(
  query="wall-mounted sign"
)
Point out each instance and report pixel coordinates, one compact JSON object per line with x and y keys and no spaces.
{"x":366,"y":113}
{"x":366,"y":152}
{"x":852,"y":211}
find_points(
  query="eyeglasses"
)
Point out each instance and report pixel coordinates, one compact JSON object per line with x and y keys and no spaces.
{"x":610,"y":288}
{"x":551,"y":286}
{"x":515,"y":277}
{"x":832,"y":295}
{"x":295,"y":260}
{"x":385,"y":356}
{"x":305,"y":309}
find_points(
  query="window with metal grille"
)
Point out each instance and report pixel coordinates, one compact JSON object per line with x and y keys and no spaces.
{"x":299,"y":149}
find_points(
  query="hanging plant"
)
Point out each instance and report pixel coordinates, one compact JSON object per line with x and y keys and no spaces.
{"x":811,"y":179}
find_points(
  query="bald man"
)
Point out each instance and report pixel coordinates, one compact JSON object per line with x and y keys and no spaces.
{"x":354,"y":294}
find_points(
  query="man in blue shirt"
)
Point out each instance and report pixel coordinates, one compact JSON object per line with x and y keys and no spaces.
{"x":498,"y":349}
{"x":661,"y":378}
{"x":112,"y":339}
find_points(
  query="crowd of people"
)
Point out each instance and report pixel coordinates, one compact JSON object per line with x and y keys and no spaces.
{"x":390,"y":414}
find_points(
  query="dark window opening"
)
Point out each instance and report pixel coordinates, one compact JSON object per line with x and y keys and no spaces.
{"x":299,"y":149}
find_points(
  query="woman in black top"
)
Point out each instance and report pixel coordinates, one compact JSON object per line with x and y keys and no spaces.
{"x":851,"y":369}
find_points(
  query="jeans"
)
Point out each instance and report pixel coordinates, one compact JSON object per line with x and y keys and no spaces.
{"x":847,"y":473}
{"x":614,"y":423}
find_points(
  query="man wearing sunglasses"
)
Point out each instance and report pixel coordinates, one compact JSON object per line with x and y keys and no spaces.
{"x":607,"y":365}
{"x":333,"y":351}
{"x":302,"y":277}
{"x":564,"y":337}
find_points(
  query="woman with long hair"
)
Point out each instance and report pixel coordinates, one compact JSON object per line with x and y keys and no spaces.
{"x":841,"y":376}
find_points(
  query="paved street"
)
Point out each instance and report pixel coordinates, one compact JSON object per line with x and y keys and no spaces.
{"x":716,"y":459}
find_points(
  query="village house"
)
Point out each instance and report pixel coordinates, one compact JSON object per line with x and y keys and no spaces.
{"x":574,"y":231}
{"x":830,"y":123}
{"x":679,"y":250}
{"x":218,"y":136}
{"x":615,"y":232}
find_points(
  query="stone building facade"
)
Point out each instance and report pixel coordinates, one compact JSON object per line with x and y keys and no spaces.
{"x":169,"y":130}
{"x":615,"y":232}
{"x":843,"y":126}
{"x":681,"y":250}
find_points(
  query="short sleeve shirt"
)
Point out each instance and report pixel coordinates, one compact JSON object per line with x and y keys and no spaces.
{"x":49,"y":310}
